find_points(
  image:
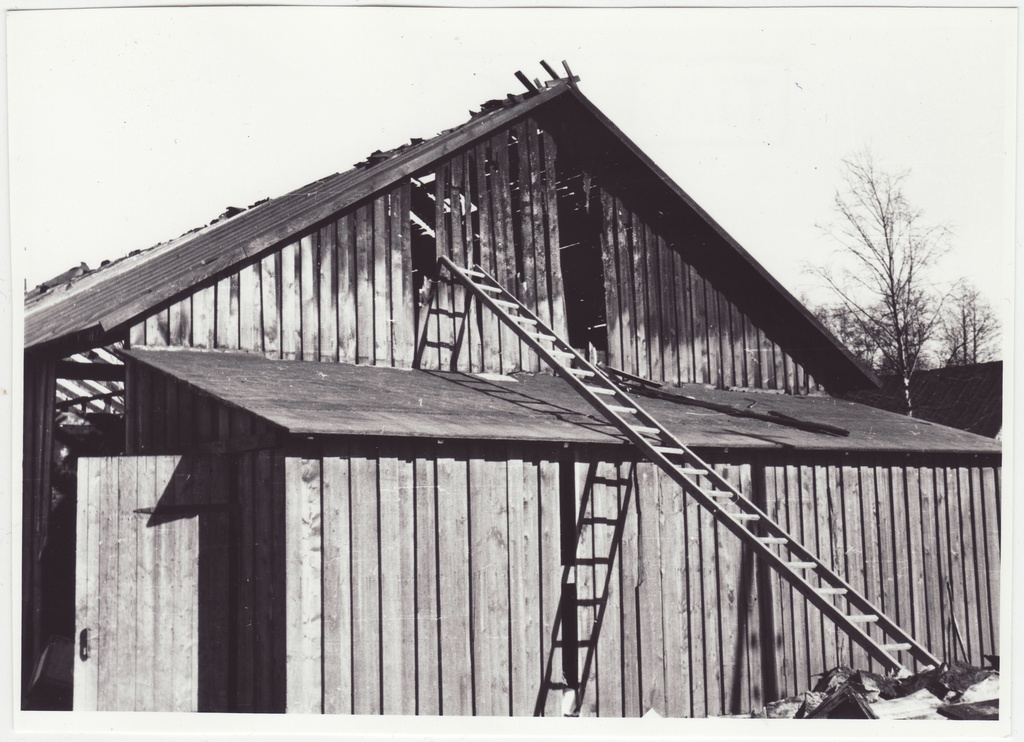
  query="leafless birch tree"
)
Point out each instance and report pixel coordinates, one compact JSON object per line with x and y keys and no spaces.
{"x":882,"y":276}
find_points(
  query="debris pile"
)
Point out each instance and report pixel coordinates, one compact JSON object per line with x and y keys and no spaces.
{"x":956,"y":691}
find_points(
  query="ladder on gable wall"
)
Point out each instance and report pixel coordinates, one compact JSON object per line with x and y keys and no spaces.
{"x":826,"y":590}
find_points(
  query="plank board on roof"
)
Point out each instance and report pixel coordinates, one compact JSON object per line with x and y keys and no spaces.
{"x":342,"y":399}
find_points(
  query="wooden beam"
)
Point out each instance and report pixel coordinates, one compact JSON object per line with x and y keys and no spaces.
{"x":67,"y":404}
{"x":77,"y":370}
{"x":526,"y":82}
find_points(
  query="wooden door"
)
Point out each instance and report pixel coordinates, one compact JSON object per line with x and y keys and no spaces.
{"x":144,"y":559}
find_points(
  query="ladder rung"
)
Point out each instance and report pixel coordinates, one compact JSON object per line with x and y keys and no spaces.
{"x":773,"y":540}
{"x":541,"y":336}
{"x":691,"y":472}
{"x":471,"y":272}
{"x":645,"y":429}
{"x":503,"y":303}
{"x":717,"y":493}
{"x":667,"y":450}
{"x":830,"y":590}
{"x":898,"y":647}
{"x":485,"y":287}
{"x":567,"y":354}
{"x":599,"y":390}
{"x":619,"y":408}
{"x":745,"y":516}
{"x":521,"y":319}
{"x":862,"y":618}
{"x":584,"y":374}
{"x":802,"y":565}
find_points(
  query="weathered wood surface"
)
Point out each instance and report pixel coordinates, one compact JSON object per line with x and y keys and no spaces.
{"x":404,"y":578}
{"x":900,"y":534}
{"x":140,"y":585}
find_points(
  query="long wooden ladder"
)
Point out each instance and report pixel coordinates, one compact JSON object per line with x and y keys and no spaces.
{"x":826,"y":590}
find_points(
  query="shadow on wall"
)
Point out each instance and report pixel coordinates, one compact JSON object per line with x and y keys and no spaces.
{"x":179,"y":610}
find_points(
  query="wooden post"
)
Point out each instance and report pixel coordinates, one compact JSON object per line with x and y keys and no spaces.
{"x":765,"y":598}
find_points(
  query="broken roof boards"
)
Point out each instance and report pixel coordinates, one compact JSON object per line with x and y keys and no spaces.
{"x":657,"y":231}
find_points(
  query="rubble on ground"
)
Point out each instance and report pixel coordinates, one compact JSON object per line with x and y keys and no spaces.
{"x":956,"y":691}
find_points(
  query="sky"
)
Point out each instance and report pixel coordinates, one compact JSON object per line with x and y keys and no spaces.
{"x":129,"y":127}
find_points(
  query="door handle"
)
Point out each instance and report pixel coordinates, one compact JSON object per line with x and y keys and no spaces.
{"x":83,"y":645}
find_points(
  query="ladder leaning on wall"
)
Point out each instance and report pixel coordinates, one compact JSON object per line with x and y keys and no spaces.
{"x":826,"y":590}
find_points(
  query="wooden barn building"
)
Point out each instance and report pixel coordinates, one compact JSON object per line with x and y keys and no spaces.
{"x":325,"y":464}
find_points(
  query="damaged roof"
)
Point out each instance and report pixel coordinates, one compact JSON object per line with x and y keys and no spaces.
{"x":88,"y":307}
{"x":100,"y":301}
{"x":306,"y":398}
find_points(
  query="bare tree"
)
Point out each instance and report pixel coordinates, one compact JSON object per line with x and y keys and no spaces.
{"x":970,"y":327}
{"x":882,"y":280}
{"x":848,"y":327}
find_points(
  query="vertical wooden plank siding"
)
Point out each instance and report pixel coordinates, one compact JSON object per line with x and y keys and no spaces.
{"x":488,"y":554}
{"x":853,"y":551}
{"x":669,"y":312}
{"x":348,"y":314}
{"x":250,"y":321}
{"x":629,"y":569}
{"x":638,"y":261}
{"x":106,"y":654}
{"x":270,"y":307}
{"x":610,"y":268}
{"x":652,"y":646}
{"x":327,"y":294}
{"x":504,"y":246}
{"x":489,"y":324}
{"x":428,"y":628}
{"x":402,"y":298}
{"x":527,"y":665}
{"x":672,"y":527}
{"x":932,"y":594}
{"x":586,"y":569}
{"x":366,"y":645}
{"x":553,"y":243}
{"x":540,"y":480}
{"x":127,"y":561}
{"x":730,"y":668}
{"x":398,"y":668}
{"x":695,"y":614}
{"x":344,"y":292}
{"x":605,"y":508}
{"x":656,"y":340}
{"x":453,"y":579}
{"x":628,"y":318}
{"x":303,"y":586}
{"x":380,"y":268}
{"x":869,"y":531}
{"x":86,"y":674}
{"x":337,"y":587}
{"x":427,"y":578}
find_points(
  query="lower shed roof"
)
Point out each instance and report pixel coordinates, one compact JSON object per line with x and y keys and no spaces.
{"x":307,"y":398}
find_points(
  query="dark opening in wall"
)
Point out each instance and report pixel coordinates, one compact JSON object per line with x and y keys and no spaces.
{"x":424,"y":242}
{"x":579,"y":228}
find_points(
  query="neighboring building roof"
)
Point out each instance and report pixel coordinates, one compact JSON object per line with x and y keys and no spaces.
{"x":90,"y":306}
{"x":308,"y":398}
{"x":966,"y":397}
